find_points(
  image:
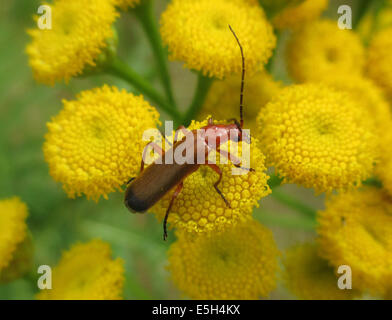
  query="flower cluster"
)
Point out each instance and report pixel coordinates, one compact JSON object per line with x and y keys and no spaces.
{"x":87,"y":271}
{"x":94,"y":144}
{"x":310,"y":277}
{"x":197,"y":33}
{"x":355,"y":229}
{"x":199,"y":208}
{"x":240,"y":263}
{"x":320,"y":117}
{"x":80,"y":32}
{"x":378,"y":65}
{"x":320,"y":49}
{"x":15,"y":240}
{"x":318,"y":137}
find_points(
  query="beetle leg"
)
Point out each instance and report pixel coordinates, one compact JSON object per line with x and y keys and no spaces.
{"x":236,"y":162}
{"x":155,"y":147}
{"x":218,"y":171}
{"x":174,"y":196}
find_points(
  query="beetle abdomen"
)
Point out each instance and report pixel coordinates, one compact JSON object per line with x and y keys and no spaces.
{"x":153,"y":183}
{"x":135,"y":204}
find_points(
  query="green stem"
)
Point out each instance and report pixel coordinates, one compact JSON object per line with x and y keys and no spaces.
{"x":374,"y":182}
{"x":375,"y":8}
{"x":203,"y":86}
{"x":362,"y":10}
{"x":122,"y":70}
{"x":294,"y":203}
{"x":144,"y":12}
{"x":269,"y":67}
{"x":284,"y":221}
{"x":274,"y":181}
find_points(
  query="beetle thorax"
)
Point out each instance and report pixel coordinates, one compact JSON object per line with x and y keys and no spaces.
{"x":215,"y":135}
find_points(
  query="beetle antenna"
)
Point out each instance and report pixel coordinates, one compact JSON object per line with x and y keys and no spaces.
{"x":242,"y":78}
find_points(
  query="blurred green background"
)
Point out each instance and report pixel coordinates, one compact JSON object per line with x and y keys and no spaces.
{"x":57,"y":222}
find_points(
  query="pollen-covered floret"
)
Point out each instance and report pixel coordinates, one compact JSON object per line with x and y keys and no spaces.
{"x":199,"y":208}
{"x":310,"y":277}
{"x":367,"y":94}
{"x":299,"y":13}
{"x":86,"y":271}
{"x":384,"y":167}
{"x":355,"y":229}
{"x":222,"y":101}
{"x":320,"y":49}
{"x":379,"y":57}
{"x":197,"y":32}
{"x":94,"y":144}
{"x":239,"y":263}
{"x":79,"y":34}
{"x":319,"y":137}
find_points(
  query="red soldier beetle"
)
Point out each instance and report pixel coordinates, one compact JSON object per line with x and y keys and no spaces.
{"x":154,"y":182}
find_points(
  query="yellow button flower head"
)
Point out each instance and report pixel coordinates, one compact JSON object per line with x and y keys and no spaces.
{"x":367,"y":93}
{"x":318,"y":137}
{"x":86,"y":272}
{"x":300,"y":13}
{"x":379,"y":66}
{"x":239,"y":263}
{"x":80,"y":29}
{"x":321,"y":48}
{"x":197,"y":33}
{"x":309,"y":277}
{"x":199,"y":208}
{"x":223,"y":98}
{"x":95,"y":143}
{"x":384,"y":168}
{"x":355,"y":229}
{"x":14,"y":239}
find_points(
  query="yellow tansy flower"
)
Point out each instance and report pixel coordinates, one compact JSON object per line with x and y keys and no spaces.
{"x":239,"y":263}
{"x":309,"y":277}
{"x":379,"y":66}
{"x":384,"y":168}
{"x":367,"y":93}
{"x":355,"y":229}
{"x":197,"y":33}
{"x":79,"y":34}
{"x":94,"y":145}
{"x":199,"y":208}
{"x":318,"y":137}
{"x":321,"y":48}
{"x":16,"y":247}
{"x":21,"y":262}
{"x":297,"y":15}
{"x":222,"y":101}
{"x":86,"y":271}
